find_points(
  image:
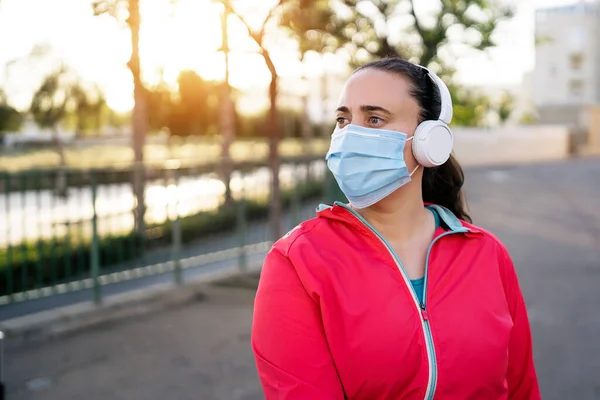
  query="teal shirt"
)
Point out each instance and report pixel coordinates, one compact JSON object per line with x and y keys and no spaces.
{"x":419,"y":284}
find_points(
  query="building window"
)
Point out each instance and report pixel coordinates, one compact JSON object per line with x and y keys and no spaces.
{"x":576,"y":60}
{"x":576,"y":87}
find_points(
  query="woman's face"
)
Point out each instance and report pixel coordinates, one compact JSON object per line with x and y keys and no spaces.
{"x":376,"y":99}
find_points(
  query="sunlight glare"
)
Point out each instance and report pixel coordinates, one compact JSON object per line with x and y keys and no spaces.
{"x":119,"y":91}
{"x":177,"y":37}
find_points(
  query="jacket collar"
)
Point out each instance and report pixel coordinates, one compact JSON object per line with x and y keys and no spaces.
{"x":339,"y":211}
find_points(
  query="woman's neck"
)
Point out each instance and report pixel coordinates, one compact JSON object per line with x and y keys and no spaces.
{"x":400,"y":217}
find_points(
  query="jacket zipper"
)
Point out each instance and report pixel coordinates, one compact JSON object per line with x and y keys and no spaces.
{"x":426,"y":324}
{"x":421,"y":307}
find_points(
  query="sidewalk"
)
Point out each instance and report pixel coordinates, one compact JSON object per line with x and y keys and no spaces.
{"x":201,"y":351}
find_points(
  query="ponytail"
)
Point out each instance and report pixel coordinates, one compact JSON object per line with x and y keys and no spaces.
{"x":443,"y":186}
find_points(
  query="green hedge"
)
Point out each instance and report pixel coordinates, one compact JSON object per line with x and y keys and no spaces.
{"x":34,"y":265}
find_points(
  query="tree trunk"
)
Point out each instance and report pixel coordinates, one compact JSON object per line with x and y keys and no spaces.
{"x":227,"y":118}
{"x":139,"y":119}
{"x":306,"y":123}
{"x":325,"y":125}
{"x":61,"y":175}
{"x":227,"y":128}
{"x":275,"y":208}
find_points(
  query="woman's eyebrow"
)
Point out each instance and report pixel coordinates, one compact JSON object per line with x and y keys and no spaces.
{"x":365,"y":108}
{"x":368,"y":108}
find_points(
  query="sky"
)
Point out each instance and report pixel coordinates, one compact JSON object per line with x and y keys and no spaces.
{"x":98,"y":48}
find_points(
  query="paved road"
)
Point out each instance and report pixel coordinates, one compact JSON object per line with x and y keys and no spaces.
{"x":546,"y":214}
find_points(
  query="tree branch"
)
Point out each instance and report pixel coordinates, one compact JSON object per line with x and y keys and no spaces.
{"x":269,"y":16}
{"x":418,"y":26}
{"x":257,"y":37}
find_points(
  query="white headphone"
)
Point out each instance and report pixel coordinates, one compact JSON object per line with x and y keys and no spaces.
{"x":433,"y":140}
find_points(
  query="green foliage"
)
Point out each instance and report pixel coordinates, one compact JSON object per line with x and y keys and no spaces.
{"x":364,"y":27}
{"x":49,"y":103}
{"x":10,"y":118}
{"x":505,"y":107}
{"x":89,"y":109}
{"x":117,"y":9}
{"x":543,"y":40}
{"x":62,"y":96}
{"x":528,"y":118}
{"x":192,"y":111}
{"x":469,"y":107}
{"x":32,"y":265}
{"x":304,"y":20}
{"x":252,"y":126}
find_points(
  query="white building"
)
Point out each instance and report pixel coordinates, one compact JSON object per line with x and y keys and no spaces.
{"x":566,"y":78}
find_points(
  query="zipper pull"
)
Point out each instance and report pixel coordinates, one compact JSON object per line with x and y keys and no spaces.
{"x":424,"y":312}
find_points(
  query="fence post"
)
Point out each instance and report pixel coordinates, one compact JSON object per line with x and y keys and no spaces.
{"x":296,"y":194}
{"x":23,"y":245}
{"x":242,"y":226}
{"x":9,"y":248}
{"x":176,"y":231}
{"x":2,"y":388}
{"x":95,"y":249}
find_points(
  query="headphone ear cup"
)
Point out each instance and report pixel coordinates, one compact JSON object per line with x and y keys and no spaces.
{"x":432,"y":143}
{"x":417,"y":146}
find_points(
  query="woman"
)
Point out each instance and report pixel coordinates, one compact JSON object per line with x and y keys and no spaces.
{"x":395,"y":295}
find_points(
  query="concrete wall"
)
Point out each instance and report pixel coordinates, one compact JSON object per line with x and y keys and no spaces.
{"x":511,"y":144}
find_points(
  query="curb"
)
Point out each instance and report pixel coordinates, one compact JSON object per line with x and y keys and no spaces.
{"x":86,"y":315}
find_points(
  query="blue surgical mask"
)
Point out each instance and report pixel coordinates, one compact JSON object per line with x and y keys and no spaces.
{"x":368,"y":164}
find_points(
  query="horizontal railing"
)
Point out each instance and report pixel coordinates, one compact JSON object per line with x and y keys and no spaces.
{"x":71,"y":230}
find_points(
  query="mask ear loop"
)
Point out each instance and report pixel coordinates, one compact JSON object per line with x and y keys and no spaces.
{"x":417,"y":167}
{"x":414,"y":170}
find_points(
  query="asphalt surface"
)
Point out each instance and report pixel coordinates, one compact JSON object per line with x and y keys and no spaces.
{"x":548,"y":215}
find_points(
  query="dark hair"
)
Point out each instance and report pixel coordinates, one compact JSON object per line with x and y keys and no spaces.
{"x":441,"y":185}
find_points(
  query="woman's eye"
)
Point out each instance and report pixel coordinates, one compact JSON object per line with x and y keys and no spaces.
{"x":341,"y":120}
{"x":375,"y":120}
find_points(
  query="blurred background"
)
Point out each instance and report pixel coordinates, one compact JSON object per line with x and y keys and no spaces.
{"x":151,"y":151}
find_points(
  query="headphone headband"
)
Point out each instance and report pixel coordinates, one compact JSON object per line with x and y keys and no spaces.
{"x":446,"y":99}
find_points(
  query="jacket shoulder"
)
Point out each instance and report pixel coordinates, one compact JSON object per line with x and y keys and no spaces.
{"x":485,"y":234}
{"x":306,"y":230}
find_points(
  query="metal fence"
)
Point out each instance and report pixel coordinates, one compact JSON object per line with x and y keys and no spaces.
{"x":83,"y":237}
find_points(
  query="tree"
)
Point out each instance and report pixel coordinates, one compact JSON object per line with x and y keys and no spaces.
{"x":227,"y":114}
{"x":49,"y":107}
{"x":304,"y":21}
{"x":505,"y":107}
{"x":275,"y":207}
{"x":294,"y":16}
{"x":194,"y":93}
{"x":365,"y":30}
{"x":192,"y":111}
{"x":364,"y":27}
{"x":469,"y":108}
{"x":10,"y":118}
{"x":528,"y":118}
{"x":88,"y":106}
{"x":139,"y":119}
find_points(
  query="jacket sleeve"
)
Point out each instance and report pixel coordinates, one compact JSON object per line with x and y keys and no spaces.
{"x":521,"y":375}
{"x":288,"y":340}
